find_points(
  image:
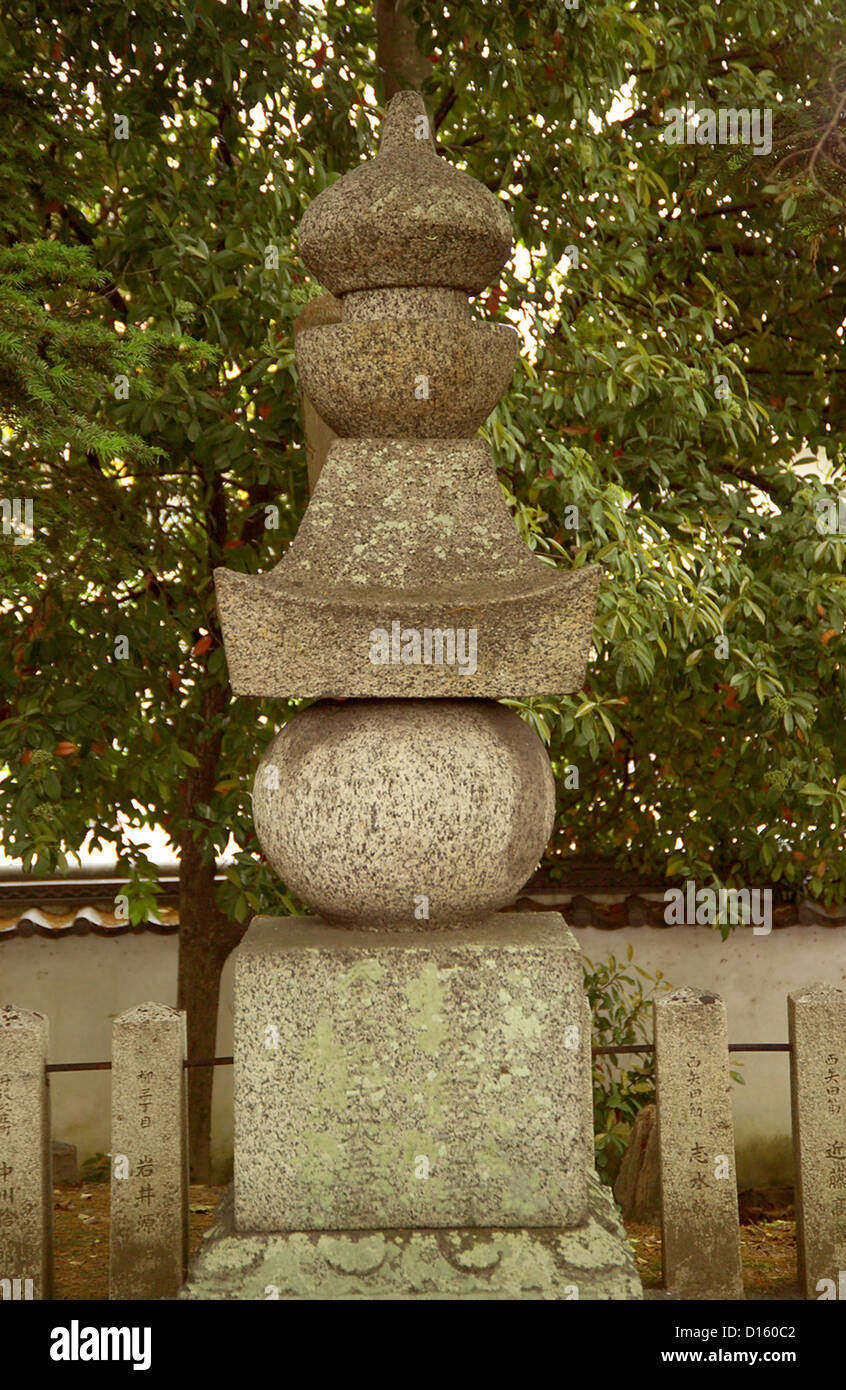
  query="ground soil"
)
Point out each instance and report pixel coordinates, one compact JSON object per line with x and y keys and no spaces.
{"x":81,"y":1215}
{"x":81,"y":1235}
{"x":768,"y":1250}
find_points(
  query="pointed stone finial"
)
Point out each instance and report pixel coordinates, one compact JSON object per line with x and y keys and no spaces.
{"x":406,"y":125}
{"x":405,"y":218}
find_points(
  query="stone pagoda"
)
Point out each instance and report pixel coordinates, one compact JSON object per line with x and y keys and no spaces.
{"x":413,"y":1112}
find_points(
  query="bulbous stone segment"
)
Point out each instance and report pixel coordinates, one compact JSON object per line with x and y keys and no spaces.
{"x":402,"y":814}
{"x":405,"y":218}
{"x":397,"y":1079}
{"x":414,"y":533}
{"x":406,"y":378}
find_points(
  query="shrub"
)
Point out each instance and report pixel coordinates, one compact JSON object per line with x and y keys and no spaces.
{"x":621,"y":1013}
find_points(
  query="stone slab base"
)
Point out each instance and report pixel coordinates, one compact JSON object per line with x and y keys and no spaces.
{"x":593,"y":1261}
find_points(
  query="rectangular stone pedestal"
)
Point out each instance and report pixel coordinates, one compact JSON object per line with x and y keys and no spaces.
{"x":592,"y":1262}
{"x":405,"y":1079}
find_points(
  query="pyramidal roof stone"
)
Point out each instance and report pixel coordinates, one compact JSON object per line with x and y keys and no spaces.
{"x":407,"y":530}
{"x":405,"y":218}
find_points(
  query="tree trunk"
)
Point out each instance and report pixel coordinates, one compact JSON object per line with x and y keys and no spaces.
{"x":203,"y":948}
{"x":206,"y":937}
{"x":400,"y":59}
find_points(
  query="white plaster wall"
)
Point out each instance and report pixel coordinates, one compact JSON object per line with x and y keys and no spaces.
{"x":81,"y":983}
{"x":754,"y":975}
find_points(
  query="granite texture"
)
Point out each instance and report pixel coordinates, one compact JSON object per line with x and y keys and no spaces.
{"x":699,"y":1214}
{"x":591,"y":1262}
{"x":26,"y":1183}
{"x":817,"y":1023}
{"x":418,"y":517}
{"x":405,"y":218}
{"x":407,"y":1078}
{"x":587,"y":1082}
{"x":416,"y":532}
{"x":148,"y":1234}
{"x":428,"y":302}
{"x":319,"y":438}
{"x":446,"y":809}
{"x":406,"y":378}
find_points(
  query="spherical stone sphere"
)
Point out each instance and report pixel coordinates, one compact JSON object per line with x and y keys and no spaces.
{"x":404,"y":813}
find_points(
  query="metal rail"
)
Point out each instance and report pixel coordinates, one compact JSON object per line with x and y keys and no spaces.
{"x":597,"y":1052}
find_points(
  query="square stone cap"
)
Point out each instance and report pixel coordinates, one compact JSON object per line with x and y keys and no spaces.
{"x":820,"y":992}
{"x":502,"y":932}
{"x":22,"y":1020}
{"x":688,"y":995}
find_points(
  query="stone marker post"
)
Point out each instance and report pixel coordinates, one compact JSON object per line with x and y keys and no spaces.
{"x":699,"y":1214}
{"x":817,"y":1023}
{"x":149,"y":1185}
{"x":410,"y":1088}
{"x":26,"y":1182}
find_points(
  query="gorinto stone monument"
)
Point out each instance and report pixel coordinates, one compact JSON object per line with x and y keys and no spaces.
{"x":411,"y":1061}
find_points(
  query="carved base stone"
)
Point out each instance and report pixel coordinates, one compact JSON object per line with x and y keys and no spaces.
{"x":593,"y":1261}
{"x":410,"y":1120}
{"x":409,"y":1078}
